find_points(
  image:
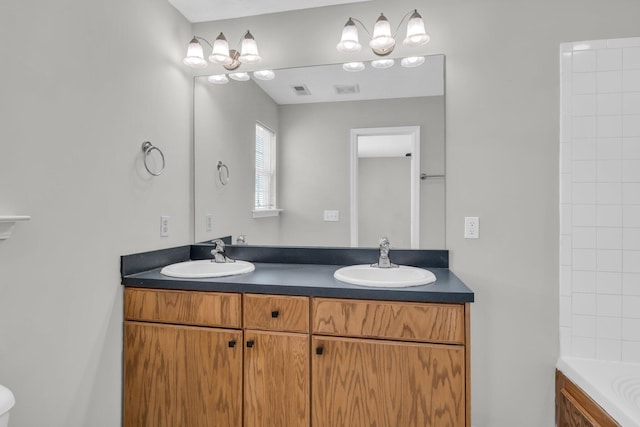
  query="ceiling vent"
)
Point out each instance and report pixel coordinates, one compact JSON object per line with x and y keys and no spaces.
{"x":347,"y":89}
{"x":300,"y":90}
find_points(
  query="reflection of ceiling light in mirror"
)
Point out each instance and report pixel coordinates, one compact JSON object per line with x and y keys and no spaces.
{"x":353,"y":66}
{"x":218,"y":79}
{"x":264,"y":75}
{"x":412,"y":61}
{"x":383,"y":63}
{"x":240,"y":77}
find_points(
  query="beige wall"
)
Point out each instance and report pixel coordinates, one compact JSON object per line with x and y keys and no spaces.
{"x":84,"y":83}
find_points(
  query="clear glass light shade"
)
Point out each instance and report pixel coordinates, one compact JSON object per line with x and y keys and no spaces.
{"x":382,"y":39}
{"x":241,"y":77}
{"x":412,"y":61}
{"x":195,"y":57}
{"x":220,"y":54}
{"x":249,"y":53}
{"x":264,"y":75}
{"x":218,"y":79}
{"x":349,"y":41}
{"x":353,"y":67}
{"x":416,"y":35}
{"x":383,"y":63}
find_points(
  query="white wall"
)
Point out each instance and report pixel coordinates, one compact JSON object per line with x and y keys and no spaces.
{"x":84,"y":83}
{"x":600,"y":200}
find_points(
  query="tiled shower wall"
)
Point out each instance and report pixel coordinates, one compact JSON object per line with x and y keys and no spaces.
{"x":600,"y":200}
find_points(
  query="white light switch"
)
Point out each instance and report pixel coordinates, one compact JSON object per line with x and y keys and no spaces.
{"x":332,"y":216}
{"x":164,"y":226}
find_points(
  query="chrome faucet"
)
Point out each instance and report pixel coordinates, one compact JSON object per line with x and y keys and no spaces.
{"x":384,"y":261}
{"x":241,"y":240}
{"x":219,"y":255}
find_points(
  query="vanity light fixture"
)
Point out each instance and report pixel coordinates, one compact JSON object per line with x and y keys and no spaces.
{"x":218,"y":79}
{"x":353,"y":67}
{"x":382,"y":63}
{"x":412,"y":61}
{"x":264,"y":75}
{"x":240,"y":77}
{"x":383,"y":41}
{"x":230,"y":59}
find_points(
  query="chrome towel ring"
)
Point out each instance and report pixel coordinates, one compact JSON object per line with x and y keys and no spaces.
{"x":147,"y":148}
{"x":223,"y":177}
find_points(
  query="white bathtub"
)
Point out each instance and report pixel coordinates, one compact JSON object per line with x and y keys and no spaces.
{"x":614,"y":386}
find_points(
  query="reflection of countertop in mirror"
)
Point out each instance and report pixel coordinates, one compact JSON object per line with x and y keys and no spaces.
{"x":307,"y":279}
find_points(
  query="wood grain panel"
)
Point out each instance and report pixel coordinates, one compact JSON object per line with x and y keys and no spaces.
{"x":276,"y":382}
{"x":183,"y":307}
{"x":429,"y":322}
{"x":181,"y":376}
{"x":276,"y":312}
{"x":364,"y":383}
{"x":574,"y":408}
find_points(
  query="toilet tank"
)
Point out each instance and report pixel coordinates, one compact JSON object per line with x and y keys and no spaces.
{"x":6,"y":403}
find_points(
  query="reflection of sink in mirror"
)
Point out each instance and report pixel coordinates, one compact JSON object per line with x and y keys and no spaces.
{"x":206,"y":268}
{"x":395,"y":277}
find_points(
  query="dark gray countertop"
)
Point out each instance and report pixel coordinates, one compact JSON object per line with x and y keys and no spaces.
{"x":308,"y":280}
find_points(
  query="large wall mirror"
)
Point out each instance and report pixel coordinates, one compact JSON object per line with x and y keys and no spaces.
{"x":313,"y":112}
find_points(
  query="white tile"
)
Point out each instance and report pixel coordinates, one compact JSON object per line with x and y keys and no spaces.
{"x":583,"y":281}
{"x":609,"y":126}
{"x":566,"y":212}
{"x":607,"y":82}
{"x":610,"y":350}
{"x":566,"y":132}
{"x":565,"y":311}
{"x":631,"y":148}
{"x":566,"y":149}
{"x":584,"y":61}
{"x":589,"y":45}
{"x":584,"y":237}
{"x":609,"y":216}
{"x":585,"y":83}
{"x":609,"y":171}
{"x":584,"y":105}
{"x":609,"y":327}
{"x":631,"y":170}
{"x":609,"y":305}
{"x":565,"y":340}
{"x":583,"y":347}
{"x":584,"y":127}
{"x":608,"y":282}
{"x":631,"y":126}
{"x":631,"y":216}
{"x":609,"y":148}
{"x":631,"y":329}
{"x":585,"y":149}
{"x":631,"y":261}
{"x":609,"y":59}
{"x":584,"y":193}
{"x":565,"y":250}
{"x":610,"y":238}
{"x":565,"y":280}
{"x":623,"y":42}
{"x":630,"y":284}
{"x":584,"y":259}
{"x":631,"y":80}
{"x":583,"y":304}
{"x":584,"y":215}
{"x":609,"y":260}
{"x":631,"y":239}
{"x":631,"y":351}
{"x":609,"y":104}
{"x":631,"y":58}
{"x":630,"y":103}
{"x":631,"y":306}
{"x":565,"y":188}
{"x":583,"y":326}
{"x":630,"y":193}
{"x":609,"y":193}
{"x":583,"y":171}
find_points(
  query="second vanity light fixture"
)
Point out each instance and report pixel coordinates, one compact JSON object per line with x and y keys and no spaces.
{"x":221,"y":54}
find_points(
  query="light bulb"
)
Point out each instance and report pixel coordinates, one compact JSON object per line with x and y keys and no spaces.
{"x":383,"y":63}
{"x":349,"y":41}
{"x":195,"y":57}
{"x":353,"y":67}
{"x":240,"y":77}
{"x":218,"y":79}
{"x":264,"y":75}
{"x":416,"y":35}
{"x":412,"y":61}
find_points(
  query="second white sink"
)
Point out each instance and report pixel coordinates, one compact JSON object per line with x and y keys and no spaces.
{"x":396,"y":277}
{"x":206,"y":268}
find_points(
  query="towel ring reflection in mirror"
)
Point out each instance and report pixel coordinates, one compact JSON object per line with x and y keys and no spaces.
{"x":224,"y":177}
{"x":147,"y":148}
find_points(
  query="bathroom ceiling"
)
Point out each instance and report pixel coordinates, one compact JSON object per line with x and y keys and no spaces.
{"x":213,"y":10}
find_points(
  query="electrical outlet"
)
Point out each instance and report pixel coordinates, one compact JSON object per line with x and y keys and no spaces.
{"x":471,"y":227}
{"x":209,"y":222}
{"x":164,"y":226}
{"x":332,"y":216}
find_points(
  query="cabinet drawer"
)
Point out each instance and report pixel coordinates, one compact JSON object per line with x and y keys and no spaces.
{"x":276,"y":313}
{"x":183,"y":307}
{"x":426,"y":322}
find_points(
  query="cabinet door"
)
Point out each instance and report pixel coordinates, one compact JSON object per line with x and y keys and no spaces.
{"x":276,"y":379}
{"x":364,"y":383}
{"x":181,"y":376}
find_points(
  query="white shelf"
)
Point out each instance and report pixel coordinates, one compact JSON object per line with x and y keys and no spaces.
{"x":7,"y":222}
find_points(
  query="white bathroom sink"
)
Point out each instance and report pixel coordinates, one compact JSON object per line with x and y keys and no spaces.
{"x":206,"y":268}
{"x":396,"y":277}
